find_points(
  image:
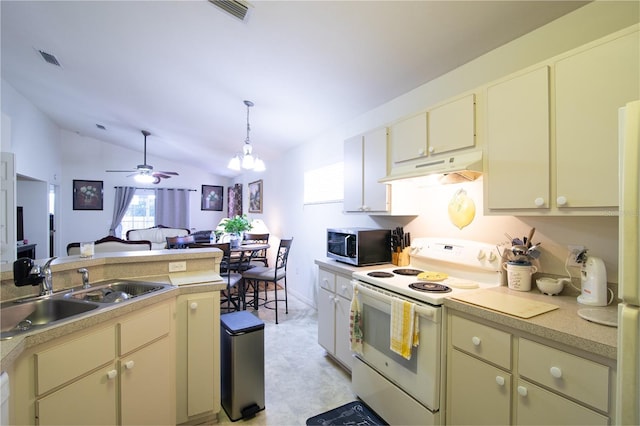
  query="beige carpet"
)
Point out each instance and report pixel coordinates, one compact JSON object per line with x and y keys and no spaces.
{"x":300,"y":380}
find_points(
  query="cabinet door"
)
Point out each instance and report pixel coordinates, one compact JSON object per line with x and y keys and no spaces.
{"x":479,"y":393}
{"x":88,"y":401}
{"x":353,"y":174}
{"x":452,"y":126}
{"x":518,"y":142}
{"x":200,"y":349}
{"x":375,"y":194}
{"x":146,"y":387}
{"x":590,"y":87}
{"x":537,"y":406}
{"x":409,"y":139}
{"x":343,"y":345}
{"x":326,"y":320}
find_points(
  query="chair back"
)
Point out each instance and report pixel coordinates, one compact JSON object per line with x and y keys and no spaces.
{"x":258,"y":256}
{"x":225,"y":248}
{"x":180,"y":242}
{"x":110,"y":244}
{"x":283,"y":254}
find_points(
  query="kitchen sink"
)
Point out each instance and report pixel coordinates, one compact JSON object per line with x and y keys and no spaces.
{"x":24,"y":315}
{"x":115,"y":291}
{"x":20,"y":317}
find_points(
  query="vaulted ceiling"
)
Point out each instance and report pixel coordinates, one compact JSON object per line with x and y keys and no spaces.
{"x":181,"y":69}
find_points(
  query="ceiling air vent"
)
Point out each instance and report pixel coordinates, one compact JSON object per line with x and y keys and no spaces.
{"x":235,"y":8}
{"x":49,"y":58}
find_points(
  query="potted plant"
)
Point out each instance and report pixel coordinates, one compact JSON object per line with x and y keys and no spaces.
{"x":235,"y":226}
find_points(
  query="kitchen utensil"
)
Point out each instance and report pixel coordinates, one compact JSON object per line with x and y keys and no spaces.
{"x":529,"y":238}
{"x":551,"y":286}
{"x":519,"y":275}
{"x":593,"y":280}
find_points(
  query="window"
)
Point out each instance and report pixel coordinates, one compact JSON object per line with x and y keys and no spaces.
{"x":141,"y":212}
{"x":324,"y":185}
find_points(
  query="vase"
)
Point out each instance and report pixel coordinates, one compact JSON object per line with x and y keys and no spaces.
{"x":235,"y":241}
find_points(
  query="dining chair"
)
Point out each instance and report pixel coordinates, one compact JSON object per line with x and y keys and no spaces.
{"x":234,"y":280}
{"x":260,"y":256}
{"x":262,"y":274}
{"x":180,"y":242}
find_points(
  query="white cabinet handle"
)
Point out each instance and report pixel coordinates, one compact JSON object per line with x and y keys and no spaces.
{"x":556,"y":372}
{"x":561,"y":200}
{"x":129,"y":365}
{"x":421,"y":152}
{"x":193,"y":306}
{"x":344,"y":287}
{"x":432,"y":149}
{"x":500,"y":380}
{"x":522,"y":391}
{"x":539,"y":201}
{"x":475,"y":340}
{"x":112,"y":374}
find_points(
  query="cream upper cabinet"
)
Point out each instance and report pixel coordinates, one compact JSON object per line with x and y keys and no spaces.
{"x":518,"y":168}
{"x":590,"y":87}
{"x":198,"y":356}
{"x":409,"y":139}
{"x":452,"y":126}
{"x":365,"y":161}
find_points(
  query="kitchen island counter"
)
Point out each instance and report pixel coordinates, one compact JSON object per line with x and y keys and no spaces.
{"x":562,"y":326}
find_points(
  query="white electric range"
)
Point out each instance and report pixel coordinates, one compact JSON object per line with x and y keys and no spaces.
{"x":467,"y":264}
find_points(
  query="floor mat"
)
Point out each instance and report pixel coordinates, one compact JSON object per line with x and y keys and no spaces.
{"x":353,"y":413}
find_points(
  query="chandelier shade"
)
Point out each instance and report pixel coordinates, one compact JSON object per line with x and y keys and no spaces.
{"x":246,"y":160}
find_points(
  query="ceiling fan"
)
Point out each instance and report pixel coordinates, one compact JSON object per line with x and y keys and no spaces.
{"x":144,"y":172}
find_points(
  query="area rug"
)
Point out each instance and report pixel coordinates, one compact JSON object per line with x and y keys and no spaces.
{"x":353,"y":413}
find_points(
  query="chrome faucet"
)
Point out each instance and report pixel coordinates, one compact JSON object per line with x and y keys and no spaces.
{"x":85,"y":277}
{"x":46,"y":285}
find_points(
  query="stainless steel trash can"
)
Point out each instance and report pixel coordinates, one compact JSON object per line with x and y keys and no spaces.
{"x":242,"y":364}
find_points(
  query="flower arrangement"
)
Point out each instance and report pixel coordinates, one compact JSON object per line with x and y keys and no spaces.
{"x":88,"y":192}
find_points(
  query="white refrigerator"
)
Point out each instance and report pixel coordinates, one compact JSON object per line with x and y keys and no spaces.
{"x":628,"y":383}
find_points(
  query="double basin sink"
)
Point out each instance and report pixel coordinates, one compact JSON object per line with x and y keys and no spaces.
{"x":22,"y":316}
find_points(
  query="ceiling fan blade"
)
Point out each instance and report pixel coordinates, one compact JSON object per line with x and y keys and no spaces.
{"x":120,"y":171}
{"x":168,"y":173}
{"x":160,"y":175}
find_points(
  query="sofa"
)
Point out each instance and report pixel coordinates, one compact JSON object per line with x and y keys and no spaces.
{"x":111,"y":244}
{"x":157,"y":235}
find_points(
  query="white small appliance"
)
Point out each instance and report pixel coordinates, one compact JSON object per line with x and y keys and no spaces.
{"x":593,"y":279}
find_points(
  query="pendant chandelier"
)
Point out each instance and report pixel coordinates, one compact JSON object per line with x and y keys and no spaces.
{"x":247,"y":160}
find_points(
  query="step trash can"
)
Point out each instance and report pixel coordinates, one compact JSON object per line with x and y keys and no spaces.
{"x":242,"y":364}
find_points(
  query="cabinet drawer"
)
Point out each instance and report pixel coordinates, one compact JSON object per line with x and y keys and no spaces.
{"x":327,"y":280}
{"x":344,"y":287}
{"x":579,"y":378}
{"x":61,"y":364}
{"x":537,"y":406}
{"x":144,"y":328}
{"x":483,"y":341}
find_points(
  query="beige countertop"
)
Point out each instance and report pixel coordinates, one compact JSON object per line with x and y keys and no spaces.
{"x":200,"y":278}
{"x":562,"y":325}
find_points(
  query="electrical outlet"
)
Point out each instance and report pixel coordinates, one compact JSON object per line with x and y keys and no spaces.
{"x":573,"y":257}
{"x":177,"y":266}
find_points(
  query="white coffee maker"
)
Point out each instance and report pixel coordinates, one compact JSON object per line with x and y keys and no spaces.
{"x":593,"y":279}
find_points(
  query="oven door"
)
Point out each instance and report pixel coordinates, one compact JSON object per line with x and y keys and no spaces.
{"x":418,"y":376}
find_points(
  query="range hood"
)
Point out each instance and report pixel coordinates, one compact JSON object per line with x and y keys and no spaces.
{"x":455,"y":168}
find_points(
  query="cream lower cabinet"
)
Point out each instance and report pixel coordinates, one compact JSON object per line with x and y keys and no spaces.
{"x":546,"y":386}
{"x":119,"y":373}
{"x":334,"y":300}
{"x":198,"y":357}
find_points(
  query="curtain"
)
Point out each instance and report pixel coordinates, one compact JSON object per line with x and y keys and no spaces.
{"x":124,"y":195}
{"x":172,"y":207}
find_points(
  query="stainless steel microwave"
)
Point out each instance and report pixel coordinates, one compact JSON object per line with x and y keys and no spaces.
{"x":359,"y":246}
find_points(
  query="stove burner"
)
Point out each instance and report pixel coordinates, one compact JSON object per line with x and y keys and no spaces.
{"x":407,"y":271}
{"x":380,"y":274}
{"x":430,"y":287}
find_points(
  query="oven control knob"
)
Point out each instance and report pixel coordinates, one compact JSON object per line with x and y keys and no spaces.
{"x":475,"y":340}
{"x":480,"y":255}
{"x":492,"y":257}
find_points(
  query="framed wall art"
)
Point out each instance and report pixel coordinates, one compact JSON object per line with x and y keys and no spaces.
{"x":255,"y":197}
{"x":87,"y":194}
{"x":212,"y":198}
{"x":234,"y":200}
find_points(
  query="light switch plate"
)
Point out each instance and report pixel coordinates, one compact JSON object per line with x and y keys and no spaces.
{"x":178,"y":266}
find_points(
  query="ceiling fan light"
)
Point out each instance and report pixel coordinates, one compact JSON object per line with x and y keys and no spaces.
{"x":144,"y":178}
{"x":234,"y":163}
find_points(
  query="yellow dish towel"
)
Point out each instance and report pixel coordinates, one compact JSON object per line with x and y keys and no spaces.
{"x":356,"y":335}
{"x":404,"y":327}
